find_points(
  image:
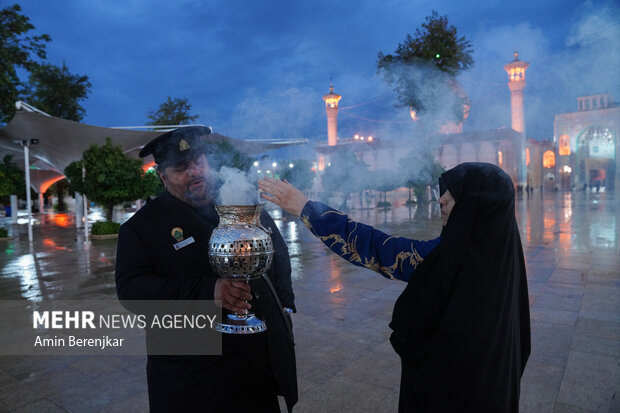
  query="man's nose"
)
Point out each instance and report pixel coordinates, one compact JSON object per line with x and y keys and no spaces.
{"x":194,"y":169}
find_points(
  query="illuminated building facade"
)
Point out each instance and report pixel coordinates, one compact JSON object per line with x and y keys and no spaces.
{"x":584,"y":148}
{"x":587,"y":143}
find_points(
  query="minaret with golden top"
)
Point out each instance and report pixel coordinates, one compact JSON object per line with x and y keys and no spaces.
{"x":516,"y":83}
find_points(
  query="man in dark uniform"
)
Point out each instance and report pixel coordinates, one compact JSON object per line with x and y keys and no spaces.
{"x":253,"y":368}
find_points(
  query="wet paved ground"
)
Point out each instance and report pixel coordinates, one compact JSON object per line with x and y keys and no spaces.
{"x":345,"y":362}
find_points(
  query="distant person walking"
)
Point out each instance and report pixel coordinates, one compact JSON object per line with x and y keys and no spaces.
{"x":462,"y":324}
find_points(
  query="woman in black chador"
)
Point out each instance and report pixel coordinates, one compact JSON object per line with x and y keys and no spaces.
{"x":462,"y":325}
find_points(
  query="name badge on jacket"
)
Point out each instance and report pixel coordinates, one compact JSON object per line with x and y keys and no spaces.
{"x":177,"y":234}
{"x":183,"y":243}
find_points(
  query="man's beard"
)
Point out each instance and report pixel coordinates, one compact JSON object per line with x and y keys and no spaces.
{"x":197,"y":197}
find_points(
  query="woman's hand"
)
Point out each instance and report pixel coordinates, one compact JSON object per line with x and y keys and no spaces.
{"x":283,"y":194}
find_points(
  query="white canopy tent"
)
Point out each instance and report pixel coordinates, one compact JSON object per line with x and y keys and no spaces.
{"x":60,"y":142}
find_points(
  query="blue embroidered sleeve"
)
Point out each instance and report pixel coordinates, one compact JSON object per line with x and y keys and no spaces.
{"x":362,"y":245}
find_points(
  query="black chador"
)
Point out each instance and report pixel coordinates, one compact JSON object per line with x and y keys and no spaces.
{"x":462,"y":325}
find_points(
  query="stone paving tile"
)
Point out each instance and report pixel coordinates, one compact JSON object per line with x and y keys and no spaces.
{"x":40,"y":406}
{"x":551,"y":342}
{"x":569,"y":276}
{"x":375,"y":369}
{"x":601,"y":298}
{"x":590,"y":382}
{"x":566,"y":408}
{"x":341,"y":394}
{"x":41,"y":385}
{"x":554,"y":316}
{"x":596,"y":345}
{"x":565,"y":297}
{"x":539,"y":387}
{"x":6,"y":378}
{"x":135,"y":403}
{"x":598,"y":328}
{"x":100,"y":392}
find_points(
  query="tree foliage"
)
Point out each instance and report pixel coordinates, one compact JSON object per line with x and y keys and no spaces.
{"x":18,"y":49}
{"x":384,"y":180}
{"x":419,"y":169}
{"x":300,"y":175}
{"x":110,"y":177}
{"x":12,"y":179}
{"x":57,"y":92}
{"x":172,"y":112}
{"x":346,"y":173}
{"x":223,"y":153}
{"x":436,"y":45}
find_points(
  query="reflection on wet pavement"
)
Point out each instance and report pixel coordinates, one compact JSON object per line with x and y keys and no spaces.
{"x":345,"y":361}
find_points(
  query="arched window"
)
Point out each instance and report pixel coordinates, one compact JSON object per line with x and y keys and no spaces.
{"x":549,"y":159}
{"x":564,"y":145}
{"x":500,"y":159}
{"x":527,"y":156}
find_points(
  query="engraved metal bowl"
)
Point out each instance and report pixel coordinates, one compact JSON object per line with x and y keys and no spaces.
{"x":240,"y":248}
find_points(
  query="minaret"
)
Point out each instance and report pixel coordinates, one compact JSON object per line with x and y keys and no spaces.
{"x":331,"y":107}
{"x":516,"y":84}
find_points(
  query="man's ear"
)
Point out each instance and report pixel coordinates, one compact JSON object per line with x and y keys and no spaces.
{"x":162,"y":177}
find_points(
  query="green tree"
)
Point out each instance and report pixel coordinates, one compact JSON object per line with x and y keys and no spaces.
{"x":223,"y":153}
{"x":12,"y":179}
{"x":110,"y":176}
{"x":17,"y":50}
{"x":419,"y":169}
{"x":384,"y":180}
{"x":436,"y":45}
{"x":172,"y":112}
{"x":300,"y":175}
{"x":56,"y":91}
{"x":60,"y":189}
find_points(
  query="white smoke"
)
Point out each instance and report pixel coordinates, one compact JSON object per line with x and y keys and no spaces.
{"x":236,"y":188}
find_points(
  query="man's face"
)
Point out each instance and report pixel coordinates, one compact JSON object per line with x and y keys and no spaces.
{"x":447,"y":203}
{"x":190,"y":181}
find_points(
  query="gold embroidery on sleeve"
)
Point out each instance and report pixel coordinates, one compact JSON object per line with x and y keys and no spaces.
{"x":348,"y":250}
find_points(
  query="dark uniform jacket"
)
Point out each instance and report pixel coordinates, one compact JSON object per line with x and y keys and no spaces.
{"x":252,"y":368}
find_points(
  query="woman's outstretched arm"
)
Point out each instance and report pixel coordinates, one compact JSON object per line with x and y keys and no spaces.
{"x":360,"y":244}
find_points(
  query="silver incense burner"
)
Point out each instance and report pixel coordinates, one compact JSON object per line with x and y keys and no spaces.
{"x":240,"y":249}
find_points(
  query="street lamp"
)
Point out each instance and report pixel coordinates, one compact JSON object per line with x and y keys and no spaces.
{"x":26,"y":144}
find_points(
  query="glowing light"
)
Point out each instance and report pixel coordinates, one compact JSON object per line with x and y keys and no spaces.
{"x":437,"y":56}
{"x":147,"y":166}
{"x":500,"y":158}
{"x":357,"y":137}
{"x":567,"y":169}
{"x":564,"y":145}
{"x":290,"y":165}
{"x":361,"y":138}
{"x":527,"y":156}
{"x":268,"y":172}
{"x":45,"y":185}
{"x":62,"y":220}
{"x":549,"y":159}
{"x":370,"y":138}
{"x":274,"y":164}
{"x":256,"y":163}
{"x":258,"y":171}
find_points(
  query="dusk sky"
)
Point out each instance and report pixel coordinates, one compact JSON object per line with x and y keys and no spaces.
{"x":258,"y":69}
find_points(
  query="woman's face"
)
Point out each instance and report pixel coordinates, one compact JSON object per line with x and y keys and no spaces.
{"x":447,"y":203}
